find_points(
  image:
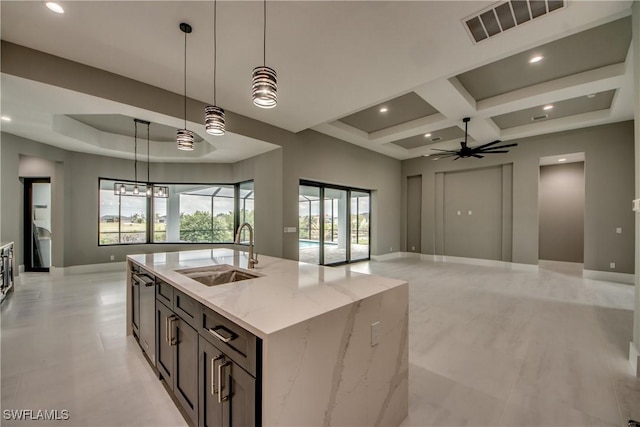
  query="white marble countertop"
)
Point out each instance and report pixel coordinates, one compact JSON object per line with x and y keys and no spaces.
{"x":287,"y":293}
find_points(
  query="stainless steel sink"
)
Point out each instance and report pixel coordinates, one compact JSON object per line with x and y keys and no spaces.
{"x":217,"y":274}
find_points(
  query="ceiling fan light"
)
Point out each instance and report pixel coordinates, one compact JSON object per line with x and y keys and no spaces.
{"x":264,"y":87}
{"x":185,"y":139}
{"x":214,"y":121}
{"x":136,"y":190}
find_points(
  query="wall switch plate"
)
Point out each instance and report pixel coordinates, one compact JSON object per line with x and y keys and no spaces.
{"x":636,"y":205}
{"x":619,"y":230}
{"x":470,"y":213}
{"x":459,"y":213}
{"x":612,"y":265}
{"x":375,"y":333}
{"x":112,"y":257}
{"x":290,"y":229}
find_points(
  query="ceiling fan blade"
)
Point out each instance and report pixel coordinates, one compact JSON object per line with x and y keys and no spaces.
{"x":493,"y":152}
{"x":477,"y":156}
{"x":488,"y":144}
{"x":439,"y":149}
{"x":502,"y":146}
{"x":457,"y":158}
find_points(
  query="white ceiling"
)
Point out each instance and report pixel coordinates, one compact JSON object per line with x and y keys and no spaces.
{"x":333,"y":59}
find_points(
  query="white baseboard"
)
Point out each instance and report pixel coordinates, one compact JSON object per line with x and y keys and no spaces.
{"x":634,"y":359}
{"x":88,"y":268}
{"x":486,"y":263}
{"x":460,"y":260}
{"x":386,"y":257}
{"x":609,"y":276}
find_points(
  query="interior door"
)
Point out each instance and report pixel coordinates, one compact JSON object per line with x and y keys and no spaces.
{"x":37,"y":224}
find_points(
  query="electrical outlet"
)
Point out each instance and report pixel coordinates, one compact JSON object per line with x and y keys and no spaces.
{"x":470,"y":213}
{"x":391,"y":249}
{"x":459,"y":213}
{"x":619,"y":230}
{"x":375,"y":333}
{"x":112,"y":257}
{"x":612,"y":265}
{"x":413,"y":248}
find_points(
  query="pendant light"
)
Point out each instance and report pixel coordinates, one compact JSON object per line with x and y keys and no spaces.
{"x":213,"y":115}
{"x":152,"y":190}
{"x":120,"y":188}
{"x":184,"y":136}
{"x":264,"y":86}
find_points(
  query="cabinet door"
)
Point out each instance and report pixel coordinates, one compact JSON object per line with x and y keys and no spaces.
{"x":185,"y":385}
{"x":165,"y":334}
{"x":209,"y":408}
{"x":239,"y":391}
{"x":135,"y":307}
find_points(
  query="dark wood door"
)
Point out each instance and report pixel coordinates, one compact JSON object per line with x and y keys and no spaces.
{"x":185,"y":385}
{"x":239,"y":389}
{"x":164,"y":338}
{"x":209,"y":408}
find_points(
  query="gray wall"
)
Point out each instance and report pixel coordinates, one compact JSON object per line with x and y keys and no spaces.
{"x":562,"y":212}
{"x":636,"y":59}
{"x":472,"y":213}
{"x":414,"y":213}
{"x":75,"y":176}
{"x":609,"y":186}
{"x":306,"y":154}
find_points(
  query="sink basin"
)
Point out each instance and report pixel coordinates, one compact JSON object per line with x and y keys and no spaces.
{"x":217,"y":274}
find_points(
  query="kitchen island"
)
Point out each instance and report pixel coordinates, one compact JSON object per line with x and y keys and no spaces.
{"x":325,"y":346}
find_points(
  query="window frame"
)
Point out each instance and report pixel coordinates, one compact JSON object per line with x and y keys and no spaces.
{"x":150,"y":211}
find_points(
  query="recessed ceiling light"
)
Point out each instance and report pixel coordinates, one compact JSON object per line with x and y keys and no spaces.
{"x":384,"y":109}
{"x":427,"y":135}
{"x":54,"y":7}
{"x":5,"y":118}
{"x":562,"y":160}
{"x":535,"y":59}
{"x":591,"y":95}
{"x":426,"y":155}
{"x":547,"y":107}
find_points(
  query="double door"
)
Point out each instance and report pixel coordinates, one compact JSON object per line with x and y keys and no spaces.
{"x":177,"y":358}
{"x":227,"y":392}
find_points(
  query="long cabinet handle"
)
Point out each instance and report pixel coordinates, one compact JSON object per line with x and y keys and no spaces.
{"x":220,"y":398}
{"x":213,"y":370}
{"x":166,"y":329}
{"x":172,"y":340}
{"x":222,"y":338}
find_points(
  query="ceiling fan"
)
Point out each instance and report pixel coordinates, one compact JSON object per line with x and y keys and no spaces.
{"x":466,"y":151}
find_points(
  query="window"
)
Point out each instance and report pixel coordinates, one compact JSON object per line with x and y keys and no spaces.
{"x":122,"y":218}
{"x":245,"y":208}
{"x":193,"y":213}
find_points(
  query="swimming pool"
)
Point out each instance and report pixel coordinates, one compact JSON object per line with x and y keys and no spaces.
{"x":312,"y":243}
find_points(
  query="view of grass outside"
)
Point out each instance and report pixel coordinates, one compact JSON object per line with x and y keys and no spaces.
{"x":206,"y":214}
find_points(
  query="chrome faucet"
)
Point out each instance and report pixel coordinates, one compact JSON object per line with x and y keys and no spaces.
{"x":252,"y":261}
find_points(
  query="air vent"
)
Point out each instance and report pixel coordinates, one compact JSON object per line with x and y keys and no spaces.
{"x":507,"y":14}
{"x":437,"y":138}
{"x":540,"y":117}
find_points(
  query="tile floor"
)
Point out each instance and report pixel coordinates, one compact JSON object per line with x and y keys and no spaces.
{"x":488,"y":347}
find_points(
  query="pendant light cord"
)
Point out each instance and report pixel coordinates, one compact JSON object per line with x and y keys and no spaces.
{"x":148,"y":156}
{"x":135,"y":152}
{"x":185,"y":80}
{"x":215,"y":49}
{"x":264,"y":35}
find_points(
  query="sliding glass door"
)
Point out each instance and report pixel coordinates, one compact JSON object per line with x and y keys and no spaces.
{"x":333,"y":224}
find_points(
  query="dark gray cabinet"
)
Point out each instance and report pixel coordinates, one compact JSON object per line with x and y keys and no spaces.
{"x":210,"y":364}
{"x":177,"y":358}
{"x":227,"y":392}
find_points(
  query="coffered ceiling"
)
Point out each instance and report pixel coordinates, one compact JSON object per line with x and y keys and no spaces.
{"x":338,"y":64}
